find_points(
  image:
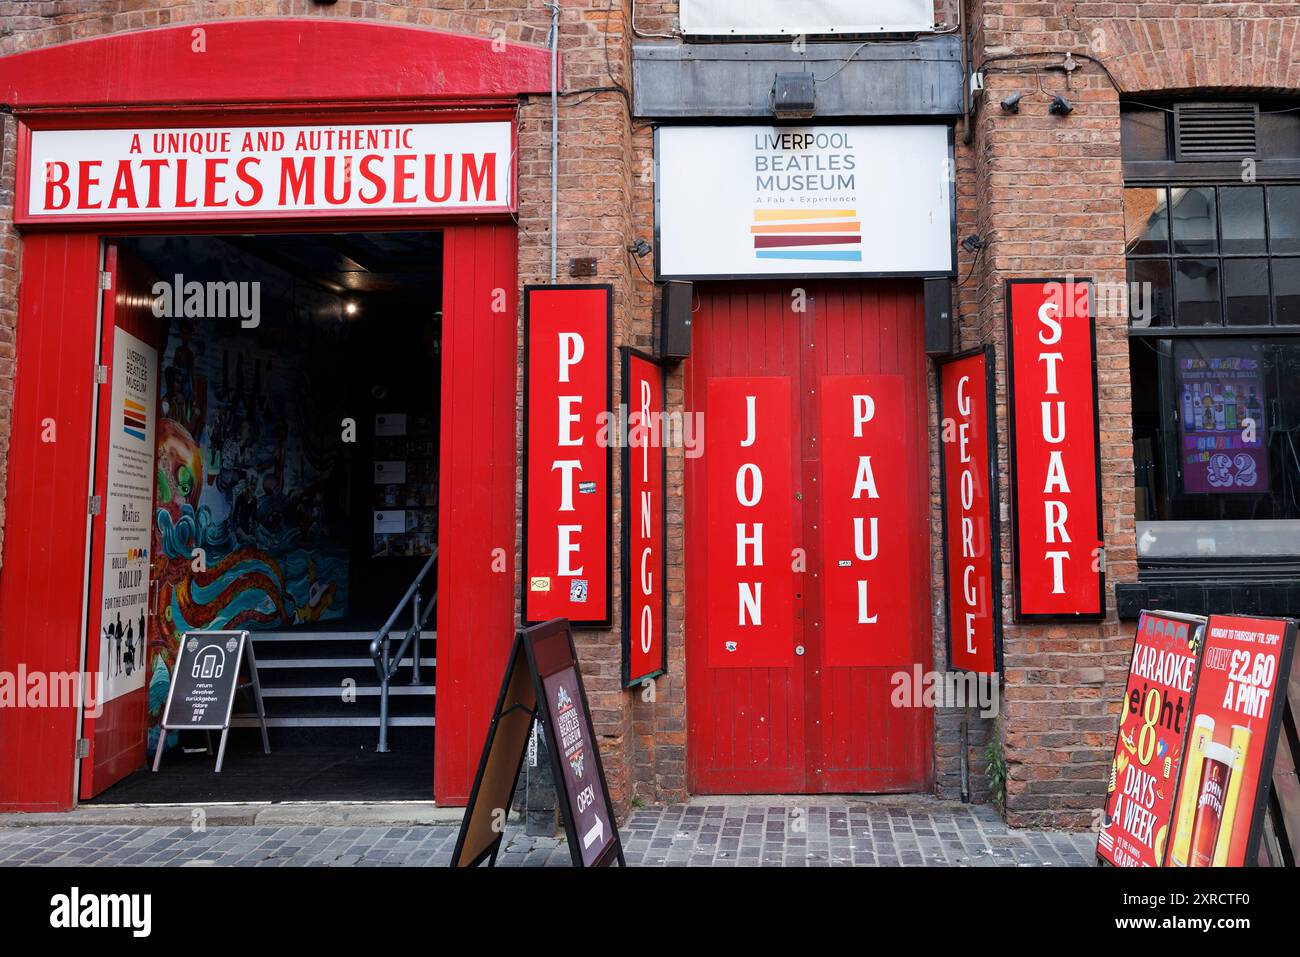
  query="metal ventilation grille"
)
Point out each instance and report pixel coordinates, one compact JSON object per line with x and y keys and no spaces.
{"x":1212,"y":131}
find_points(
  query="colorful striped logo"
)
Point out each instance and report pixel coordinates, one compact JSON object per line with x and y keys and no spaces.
{"x":828,"y":235}
{"x":134,"y":419}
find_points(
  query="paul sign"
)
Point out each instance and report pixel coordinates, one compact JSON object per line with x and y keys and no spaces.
{"x":1054,"y":459}
{"x":567,"y":465}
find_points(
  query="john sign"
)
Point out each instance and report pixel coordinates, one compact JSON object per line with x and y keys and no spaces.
{"x":751,"y":584}
{"x":1055,"y":466}
{"x":566,"y":458}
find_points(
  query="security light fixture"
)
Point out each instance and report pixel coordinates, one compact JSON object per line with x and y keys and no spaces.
{"x":1061,"y":106}
{"x":351,"y":308}
{"x":640,"y":249}
{"x":972,"y":243}
{"x":1012,"y":103}
{"x":794,"y":96}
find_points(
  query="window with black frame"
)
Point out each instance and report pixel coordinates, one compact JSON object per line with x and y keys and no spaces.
{"x":1213,"y":254}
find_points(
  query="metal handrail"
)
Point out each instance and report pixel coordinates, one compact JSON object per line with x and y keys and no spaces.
{"x":386,"y":664}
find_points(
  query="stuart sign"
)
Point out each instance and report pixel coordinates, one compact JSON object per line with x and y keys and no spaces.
{"x":766,"y":201}
{"x":142,"y":173}
{"x":1055,"y":464}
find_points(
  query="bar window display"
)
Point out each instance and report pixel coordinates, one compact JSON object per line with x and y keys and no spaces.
{"x":1216,"y":429}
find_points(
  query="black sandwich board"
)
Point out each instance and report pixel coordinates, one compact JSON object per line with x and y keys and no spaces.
{"x":204,"y":681}
{"x":542,"y":682}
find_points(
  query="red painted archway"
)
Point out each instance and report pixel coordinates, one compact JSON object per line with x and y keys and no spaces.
{"x":224,"y":72}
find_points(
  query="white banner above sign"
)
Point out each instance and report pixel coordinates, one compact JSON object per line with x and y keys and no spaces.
{"x":762,"y":201}
{"x":793,"y":17}
{"x":141,"y":174}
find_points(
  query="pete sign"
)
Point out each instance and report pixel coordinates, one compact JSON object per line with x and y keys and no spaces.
{"x":567,"y":465}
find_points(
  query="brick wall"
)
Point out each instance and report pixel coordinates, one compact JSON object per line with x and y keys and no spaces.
{"x":1050,"y":202}
{"x":1044,"y":193}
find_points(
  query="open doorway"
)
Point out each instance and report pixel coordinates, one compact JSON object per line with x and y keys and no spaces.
{"x":296,"y":472}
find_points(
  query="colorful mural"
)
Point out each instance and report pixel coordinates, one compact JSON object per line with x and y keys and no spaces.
{"x":250,"y":525}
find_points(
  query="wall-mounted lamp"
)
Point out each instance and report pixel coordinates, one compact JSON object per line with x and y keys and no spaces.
{"x":351,"y":308}
{"x":640,"y":249}
{"x":972,"y":242}
{"x":794,"y":96}
{"x":1012,"y":103}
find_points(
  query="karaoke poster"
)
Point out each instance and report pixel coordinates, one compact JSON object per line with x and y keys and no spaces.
{"x":1150,"y":744}
{"x":1234,"y":734}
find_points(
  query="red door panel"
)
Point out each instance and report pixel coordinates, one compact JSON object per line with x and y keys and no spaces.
{"x":871,"y":342}
{"x":117,"y":637}
{"x":851,"y":356}
{"x":745,"y":722}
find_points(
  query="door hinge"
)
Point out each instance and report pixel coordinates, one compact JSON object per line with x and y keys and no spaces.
{"x":105,"y":280}
{"x":83,"y":747}
{"x":94,"y":504}
{"x":101,"y":374}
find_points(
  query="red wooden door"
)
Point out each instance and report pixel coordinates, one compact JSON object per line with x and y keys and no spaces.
{"x":121,"y":613}
{"x":795,"y":629}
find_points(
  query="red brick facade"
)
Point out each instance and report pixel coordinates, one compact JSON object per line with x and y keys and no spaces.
{"x":1044,"y":192}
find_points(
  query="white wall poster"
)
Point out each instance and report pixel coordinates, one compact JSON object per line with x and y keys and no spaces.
{"x":127,"y":509}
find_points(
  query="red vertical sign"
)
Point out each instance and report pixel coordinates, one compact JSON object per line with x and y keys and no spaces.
{"x":970,"y":512}
{"x":1151,"y":745}
{"x":1236,"y":715}
{"x":645,"y":653}
{"x":567,"y":463}
{"x":866,"y":545}
{"x":1055,"y":468}
{"x":748,"y":474}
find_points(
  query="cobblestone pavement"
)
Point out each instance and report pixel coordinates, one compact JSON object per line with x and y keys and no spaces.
{"x":915,"y":832}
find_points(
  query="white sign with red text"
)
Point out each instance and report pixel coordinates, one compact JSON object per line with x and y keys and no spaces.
{"x":241,"y":171}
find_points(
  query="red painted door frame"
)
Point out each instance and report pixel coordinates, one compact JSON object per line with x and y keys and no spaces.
{"x":809,"y":727}
{"x":116,"y":730}
{"x":225,"y":72}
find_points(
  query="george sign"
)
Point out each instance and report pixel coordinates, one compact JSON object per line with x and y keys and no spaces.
{"x":645,"y":479}
{"x":789,"y":202}
{"x":128,"y":516}
{"x":205,"y":678}
{"x":1236,"y":718}
{"x":567,"y":462}
{"x":1057,"y":555}
{"x":144,"y":174}
{"x":796,"y":17}
{"x":1150,"y":747}
{"x":748,"y":477}
{"x":866,"y":599}
{"x":969,"y":489}
{"x":542,"y":682}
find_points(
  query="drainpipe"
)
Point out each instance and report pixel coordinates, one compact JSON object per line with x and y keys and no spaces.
{"x":555,"y":133}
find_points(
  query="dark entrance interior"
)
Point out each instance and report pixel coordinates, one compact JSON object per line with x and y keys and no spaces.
{"x":297,"y":460}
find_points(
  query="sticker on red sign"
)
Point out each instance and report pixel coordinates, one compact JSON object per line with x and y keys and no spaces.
{"x":1055,"y":475}
{"x":970,"y":505}
{"x":1155,"y":715}
{"x":748,"y":473}
{"x":866,"y":596}
{"x":567,"y":465}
